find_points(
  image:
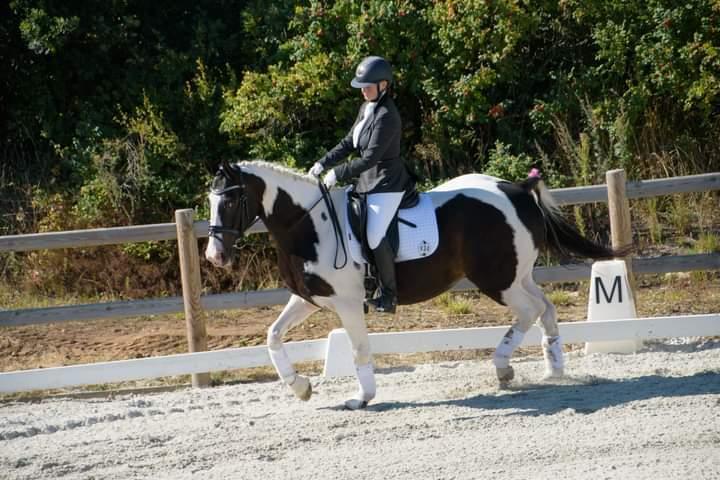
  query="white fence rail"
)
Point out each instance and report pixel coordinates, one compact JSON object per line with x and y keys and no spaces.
{"x":380,"y":343}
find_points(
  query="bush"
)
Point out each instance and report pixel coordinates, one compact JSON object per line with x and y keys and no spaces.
{"x":117,"y":113}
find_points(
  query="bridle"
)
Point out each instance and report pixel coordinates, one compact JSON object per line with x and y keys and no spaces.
{"x":214,"y":230}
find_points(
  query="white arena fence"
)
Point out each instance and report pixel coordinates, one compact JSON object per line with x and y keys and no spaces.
{"x":198,"y":362}
{"x":380,"y":343}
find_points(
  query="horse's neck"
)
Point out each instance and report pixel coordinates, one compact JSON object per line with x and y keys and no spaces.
{"x":302,"y":192}
{"x":299,"y":223}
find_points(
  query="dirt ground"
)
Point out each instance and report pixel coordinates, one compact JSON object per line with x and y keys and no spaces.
{"x":648,"y":416}
{"x":68,"y":343}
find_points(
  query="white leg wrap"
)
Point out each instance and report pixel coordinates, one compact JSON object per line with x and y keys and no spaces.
{"x":282,"y":364}
{"x":366,"y":392}
{"x":553,"y":353}
{"x":366,"y":378}
{"x":512,"y":339}
{"x":298,"y":384}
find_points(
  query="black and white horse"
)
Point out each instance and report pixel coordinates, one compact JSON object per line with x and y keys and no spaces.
{"x":490,"y":231}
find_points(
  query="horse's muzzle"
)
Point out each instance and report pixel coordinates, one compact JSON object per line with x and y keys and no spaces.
{"x":216,"y":255}
{"x":219,"y":261}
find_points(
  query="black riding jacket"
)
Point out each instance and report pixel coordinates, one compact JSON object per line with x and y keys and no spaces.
{"x":378,"y":168}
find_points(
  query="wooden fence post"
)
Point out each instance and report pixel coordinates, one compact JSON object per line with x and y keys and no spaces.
{"x":190,"y":273}
{"x":620,"y":222}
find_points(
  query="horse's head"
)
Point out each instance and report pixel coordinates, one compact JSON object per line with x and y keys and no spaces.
{"x":232,"y":212}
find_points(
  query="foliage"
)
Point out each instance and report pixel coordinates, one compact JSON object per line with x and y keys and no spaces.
{"x":503,"y":164}
{"x":117,"y":112}
{"x":561,"y":298}
{"x":470,"y":74}
{"x":706,"y":243}
{"x":454,"y":304}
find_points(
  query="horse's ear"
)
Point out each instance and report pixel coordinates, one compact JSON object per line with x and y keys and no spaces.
{"x":225,"y":166}
{"x":228,"y":169}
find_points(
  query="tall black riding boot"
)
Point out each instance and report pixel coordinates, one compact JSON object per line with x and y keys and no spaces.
{"x":385,"y":264}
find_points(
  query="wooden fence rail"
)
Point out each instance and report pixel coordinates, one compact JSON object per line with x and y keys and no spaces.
{"x":239,"y":300}
{"x":167,"y":231}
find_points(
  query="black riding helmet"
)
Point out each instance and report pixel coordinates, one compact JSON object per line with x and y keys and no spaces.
{"x":371,"y":71}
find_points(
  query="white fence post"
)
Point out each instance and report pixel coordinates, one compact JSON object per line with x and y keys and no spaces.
{"x":339,"y":356}
{"x":190,"y":273}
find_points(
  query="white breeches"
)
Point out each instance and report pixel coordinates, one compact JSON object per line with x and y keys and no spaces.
{"x":381,"y":210}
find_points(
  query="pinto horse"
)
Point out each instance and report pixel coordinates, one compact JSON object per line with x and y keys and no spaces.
{"x":490,"y":231}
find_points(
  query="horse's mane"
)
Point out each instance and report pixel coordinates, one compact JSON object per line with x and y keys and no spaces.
{"x":281,"y":169}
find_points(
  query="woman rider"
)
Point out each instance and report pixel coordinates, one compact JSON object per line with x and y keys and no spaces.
{"x":381,"y":175}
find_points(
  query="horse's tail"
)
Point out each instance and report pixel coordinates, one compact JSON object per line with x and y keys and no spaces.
{"x":561,"y":236}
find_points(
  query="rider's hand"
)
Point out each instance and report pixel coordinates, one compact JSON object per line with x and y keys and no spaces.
{"x":316,"y":170}
{"x":330,"y":179}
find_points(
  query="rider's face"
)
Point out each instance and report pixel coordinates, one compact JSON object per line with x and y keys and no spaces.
{"x":371,"y":93}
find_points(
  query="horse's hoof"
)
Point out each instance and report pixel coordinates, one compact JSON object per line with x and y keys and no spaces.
{"x":355,"y":404}
{"x":505,"y":374}
{"x":302,"y":388}
{"x":553,"y":373}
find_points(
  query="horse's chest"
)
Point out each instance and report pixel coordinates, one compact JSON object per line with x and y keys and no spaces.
{"x":299,"y":280}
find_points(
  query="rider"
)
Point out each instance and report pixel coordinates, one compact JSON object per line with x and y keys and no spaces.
{"x":382,"y":176}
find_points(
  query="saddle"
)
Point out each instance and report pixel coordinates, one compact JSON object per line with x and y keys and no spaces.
{"x":412,"y":232}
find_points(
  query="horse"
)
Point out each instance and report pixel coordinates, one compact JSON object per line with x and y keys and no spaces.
{"x":490,"y":231}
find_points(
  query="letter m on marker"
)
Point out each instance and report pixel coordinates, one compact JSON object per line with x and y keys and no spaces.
{"x":599,"y":285}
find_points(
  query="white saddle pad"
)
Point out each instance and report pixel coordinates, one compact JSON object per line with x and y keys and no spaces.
{"x":415,"y":242}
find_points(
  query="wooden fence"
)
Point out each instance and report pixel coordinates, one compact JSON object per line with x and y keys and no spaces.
{"x":168,"y":231}
{"x":188,"y":232}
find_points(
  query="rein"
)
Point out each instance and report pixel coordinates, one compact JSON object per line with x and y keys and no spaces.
{"x":302,"y":217}
{"x":339,"y":242}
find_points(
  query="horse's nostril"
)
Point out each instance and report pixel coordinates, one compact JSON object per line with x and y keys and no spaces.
{"x":216,"y":258}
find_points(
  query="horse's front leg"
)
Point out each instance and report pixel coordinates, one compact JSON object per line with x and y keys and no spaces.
{"x":352,"y":317}
{"x":296,"y":310}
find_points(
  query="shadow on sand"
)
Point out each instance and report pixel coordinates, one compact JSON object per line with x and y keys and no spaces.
{"x":587,"y":397}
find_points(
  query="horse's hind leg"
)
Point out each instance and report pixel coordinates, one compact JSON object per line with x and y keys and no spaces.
{"x":353,"y":320}
{"x":527,"y":308}
{"x":551,"y":342}
{"x":296,"y":310}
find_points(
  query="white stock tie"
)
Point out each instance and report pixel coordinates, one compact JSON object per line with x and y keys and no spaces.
{"x":369,"y":109}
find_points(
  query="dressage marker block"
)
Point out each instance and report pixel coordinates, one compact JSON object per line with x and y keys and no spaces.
{"x":611,"y":299}
{"x":339,"y":356}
